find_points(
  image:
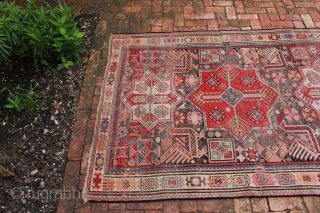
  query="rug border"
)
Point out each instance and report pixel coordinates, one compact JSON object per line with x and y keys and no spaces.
{"x":85,"y":193}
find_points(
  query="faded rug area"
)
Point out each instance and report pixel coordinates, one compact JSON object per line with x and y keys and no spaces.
{"x":196,"y":115}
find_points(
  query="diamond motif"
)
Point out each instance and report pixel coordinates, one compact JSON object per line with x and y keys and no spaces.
{"x":232,"y":96}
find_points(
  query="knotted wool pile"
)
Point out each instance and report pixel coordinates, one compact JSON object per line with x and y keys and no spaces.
{"x":194,"y":115}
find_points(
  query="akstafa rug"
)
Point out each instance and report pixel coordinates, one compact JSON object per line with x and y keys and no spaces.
{"x":194,"y":115}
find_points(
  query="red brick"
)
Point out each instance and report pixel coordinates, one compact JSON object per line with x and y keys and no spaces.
{"x":180,"y":3}
{"x":263,"y":4}
{"x":239,"y":6}
{"x":216,"y":205}
{"x":167,"y":25}
{"x":290,"y":17}
{"x":317,"y":23}
{"x":288,"y":3}
{"x":264,"y":20}
{"x":239,"y":23}
{"x":304,"y":4}
{"x":101,"y":28}
{"x":65,"y":205}
{"x":274,"y":16}
{"x":204,"y":16}
{"x":131,"y":9}
{"x":280,"y":7}
{"x":195,"y":23}
{"x":82,"y":180}
{"x":117,"y":206}
{"x":222,"y":19}
{"x":201,"y":28}
{"x":156,"y":29}
{"x":85,"y":158}
{"x":198,"y":6}
{"x":178,"y":19}
{"x":314,"y":13}
{"x":256,"y":10}
{"x":71,"y":176}
{"x":184,"y":29}
{"x":188,"y":12}
{"x":89,"y":131}
{"x":297,"y":10}
{"x":125,"y":211}
{"x":248,"y":3}
{"x":155,"y":205}
{"x":260,"y":205}
{"x":86,"y":97}
{"x":152,"y":211}
{"x":134,"y":21}
{"x":285,"y":203}
{"x":100,"y":207}
{"x":242,"y":205}
{"x":312,"y":203}
{"x":272,"y":10}
{"x":212,"y":25}
{"x":207,"y":3}
{"x":255,"y":24}
{"x":229,"y":28}
{"x":76,"y":148}
{"x":188,"y":205}
{"x":282,"y":24}
{"x":248,"y":16}
{"x":222,"y":3}
{"x":299,"y":24}
{"x":215,"y":9}
{"x":141,"y":3}
{"x":177,"y":9}
{"x":171,"y":206}
{"x":231,"y":13}
{"x":95,"y":103}
{"x":83,"y":210}
{"x":156,"y":6}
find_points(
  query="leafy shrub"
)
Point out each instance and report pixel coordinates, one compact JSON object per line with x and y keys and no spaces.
{"x":40,"y":31}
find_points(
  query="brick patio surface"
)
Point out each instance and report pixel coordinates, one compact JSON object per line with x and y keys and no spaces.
{"x":138,"y":16}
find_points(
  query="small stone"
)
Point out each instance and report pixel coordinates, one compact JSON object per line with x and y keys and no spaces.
{"x":24,"y":147}
{"x":34,"y":172}
{"x":56,"y":121}
{"x":24,"y":137}
{"x":43,"y":151}
{"x":45,"y":131}
{"x":42,"y":184}
{"x":23,"y":201}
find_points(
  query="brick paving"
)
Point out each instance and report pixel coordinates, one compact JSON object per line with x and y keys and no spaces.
{"x":138,"y":16}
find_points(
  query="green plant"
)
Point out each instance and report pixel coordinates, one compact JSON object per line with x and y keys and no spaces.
{"x":23,"y":99}
{"x":40,"y":31}
{"x":12,"y":131}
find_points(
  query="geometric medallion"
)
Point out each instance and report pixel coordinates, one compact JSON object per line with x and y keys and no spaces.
{"x":220,"y":99}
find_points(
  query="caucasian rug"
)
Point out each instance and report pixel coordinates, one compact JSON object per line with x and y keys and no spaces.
{"x":194,"y":115}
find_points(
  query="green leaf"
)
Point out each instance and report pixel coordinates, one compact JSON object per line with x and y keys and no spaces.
{"x":62,"y":31}
{"x":63,"y":19}
{"x":70,"y":63}
{"x":9,"y":106}
{"x":44,"y":62}
{"x":60,"y":66}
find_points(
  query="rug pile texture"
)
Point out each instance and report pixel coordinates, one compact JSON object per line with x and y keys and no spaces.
{"x":194,"y":115}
